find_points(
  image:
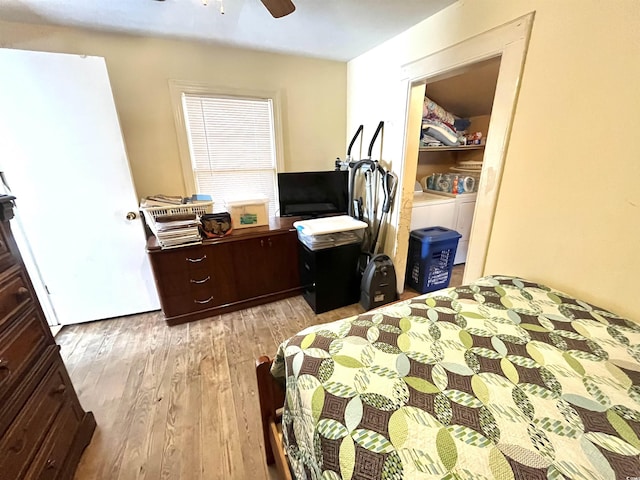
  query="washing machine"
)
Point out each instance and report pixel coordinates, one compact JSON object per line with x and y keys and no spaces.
{"x":431,"y":210}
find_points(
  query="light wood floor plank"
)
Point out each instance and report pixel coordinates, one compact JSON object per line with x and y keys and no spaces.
{"x":147,"y":407}
{"x":179,"y":402}
{"x":212,"y":375}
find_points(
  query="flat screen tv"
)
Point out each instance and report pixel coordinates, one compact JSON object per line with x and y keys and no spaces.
{"x":313,"y":194}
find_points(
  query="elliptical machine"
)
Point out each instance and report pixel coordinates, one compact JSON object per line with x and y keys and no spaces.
{"x":366,"y":178}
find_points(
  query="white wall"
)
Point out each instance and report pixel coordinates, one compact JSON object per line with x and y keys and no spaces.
{"x":313,"y":94}
{"x":568,"y":208}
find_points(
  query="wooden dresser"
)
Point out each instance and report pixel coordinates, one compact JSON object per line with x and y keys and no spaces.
{"x":251,"y":266}
{"x":43,"y":428}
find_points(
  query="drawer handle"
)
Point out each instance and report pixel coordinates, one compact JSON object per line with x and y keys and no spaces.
{"x":4,"y":364}
{"x":261,"y":242}
{"x":60,"y":389}
{"x":269,"y":241}
{"x":200,"y":281}
{"x":22,"y":294}
{"x":203,"y":301}
{"x":196,"y":260}
{"x":51,"y":464}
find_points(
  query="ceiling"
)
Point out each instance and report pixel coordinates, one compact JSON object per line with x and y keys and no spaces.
{"x":467,"y":91}
{"x":332,"y":29}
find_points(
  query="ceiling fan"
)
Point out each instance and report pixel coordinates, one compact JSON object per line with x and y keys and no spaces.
{"x":277,"y":8}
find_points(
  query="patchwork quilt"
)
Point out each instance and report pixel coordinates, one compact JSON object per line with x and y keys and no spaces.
{"x":500,"y":379}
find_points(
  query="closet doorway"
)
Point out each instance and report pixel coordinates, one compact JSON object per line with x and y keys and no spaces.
{"x":450,"y":174}
{"x":508,"y":45}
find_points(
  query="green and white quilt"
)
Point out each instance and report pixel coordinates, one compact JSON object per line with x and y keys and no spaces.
{"x":502,"y":378}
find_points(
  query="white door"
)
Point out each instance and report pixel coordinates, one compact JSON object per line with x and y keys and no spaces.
{"x":64,"y":158}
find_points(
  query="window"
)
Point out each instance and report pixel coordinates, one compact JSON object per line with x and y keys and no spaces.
{"x":232,"y":146}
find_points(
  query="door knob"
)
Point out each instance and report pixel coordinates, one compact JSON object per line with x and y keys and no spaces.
{"x":132,"y":215}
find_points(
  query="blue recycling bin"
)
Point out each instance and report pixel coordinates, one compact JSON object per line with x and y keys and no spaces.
{"x":430,"y":261}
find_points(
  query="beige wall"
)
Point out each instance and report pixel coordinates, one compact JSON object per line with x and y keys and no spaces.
{"x":568,"y":212}
{"x":313,"y":94}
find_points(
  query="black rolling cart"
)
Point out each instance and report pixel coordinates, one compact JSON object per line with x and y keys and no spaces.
{"x":329,"y":249}
{"x":330,"y":277}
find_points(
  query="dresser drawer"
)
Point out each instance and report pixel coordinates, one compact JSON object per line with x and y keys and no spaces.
{"x":178,"y":260}
{"x":15,"y":294}
{"x":20,"y":346}
{"x":17,"y":397}
{"x":199,"y":297}
{"x":194,"y":279}
{"x":19,"y":445}
{"x":185,"y":281}
{"x":189,"y":302}
{"x":51,"y":457}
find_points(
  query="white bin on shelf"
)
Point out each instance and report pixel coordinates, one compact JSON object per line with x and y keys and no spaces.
{"x":249,"y":212}
{"x":328,"y":232}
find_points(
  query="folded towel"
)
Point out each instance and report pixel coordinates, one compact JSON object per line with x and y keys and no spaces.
{"x":442,"y":134}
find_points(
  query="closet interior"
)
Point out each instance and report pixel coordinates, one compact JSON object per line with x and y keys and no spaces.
{"x":455,"y":123}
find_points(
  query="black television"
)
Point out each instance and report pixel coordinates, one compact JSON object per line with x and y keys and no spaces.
{"x":313,"y":194}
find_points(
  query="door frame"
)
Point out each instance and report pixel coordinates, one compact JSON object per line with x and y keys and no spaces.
{"x":510,"y":42}
{"x":32,"y":269}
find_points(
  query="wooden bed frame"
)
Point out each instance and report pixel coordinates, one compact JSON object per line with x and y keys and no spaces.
{"x":271,"y":396}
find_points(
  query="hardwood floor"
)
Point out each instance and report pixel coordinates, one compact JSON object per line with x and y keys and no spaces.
{"x":180,"y":402}
{"x":456,"y":275}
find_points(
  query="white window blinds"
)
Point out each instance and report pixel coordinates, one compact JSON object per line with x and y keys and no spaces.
{"x":232,"y":147}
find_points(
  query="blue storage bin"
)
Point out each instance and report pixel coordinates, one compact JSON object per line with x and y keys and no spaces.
{"x":431,"y":254}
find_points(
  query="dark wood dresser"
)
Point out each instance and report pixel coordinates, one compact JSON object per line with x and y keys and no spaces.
{"x":43,"y":428}
{"x":249,"y":267}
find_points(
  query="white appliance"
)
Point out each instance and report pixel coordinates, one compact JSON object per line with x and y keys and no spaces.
{"x":445,"y":210}
{"x":430,"y":210}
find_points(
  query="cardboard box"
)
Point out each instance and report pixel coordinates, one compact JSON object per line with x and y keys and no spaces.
{"x":252,"y":212}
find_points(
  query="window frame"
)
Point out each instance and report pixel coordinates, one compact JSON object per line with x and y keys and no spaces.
{"x":179,"y":87}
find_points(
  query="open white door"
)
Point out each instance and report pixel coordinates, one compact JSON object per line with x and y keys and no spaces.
{"x":63,"y":154}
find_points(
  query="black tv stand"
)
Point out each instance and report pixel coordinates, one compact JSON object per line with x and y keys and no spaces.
{"x":330,"y":277}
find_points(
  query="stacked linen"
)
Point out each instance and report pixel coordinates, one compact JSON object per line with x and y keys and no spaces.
{"x":177,"y":230}
{"x":330,"y":232}
{"x":440,"y":127}
{"x":436,"y":134}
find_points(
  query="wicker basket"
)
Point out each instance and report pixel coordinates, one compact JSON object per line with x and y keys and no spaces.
{"x":151,"y":213}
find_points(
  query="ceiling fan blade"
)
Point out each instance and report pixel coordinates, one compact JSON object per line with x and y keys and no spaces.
{"x":279,"y":8}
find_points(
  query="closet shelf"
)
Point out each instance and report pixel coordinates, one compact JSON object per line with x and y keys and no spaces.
{"x":444,"y":148}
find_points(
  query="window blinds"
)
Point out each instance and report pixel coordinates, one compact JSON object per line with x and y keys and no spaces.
{"x":232,"y":147}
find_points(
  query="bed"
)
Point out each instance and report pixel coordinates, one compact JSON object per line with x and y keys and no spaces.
{"x":502,"y":378}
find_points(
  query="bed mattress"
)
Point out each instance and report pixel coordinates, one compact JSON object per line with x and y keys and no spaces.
{"x":503,"y":378}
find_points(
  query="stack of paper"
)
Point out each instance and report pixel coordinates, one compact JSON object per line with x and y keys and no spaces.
{"x":177,"y":230}
{"x":160,"y":200}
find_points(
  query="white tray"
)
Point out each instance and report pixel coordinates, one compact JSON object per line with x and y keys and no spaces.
{"x":322,"y":226}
